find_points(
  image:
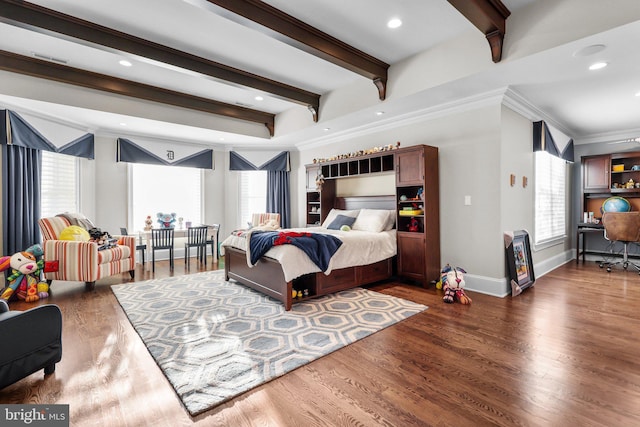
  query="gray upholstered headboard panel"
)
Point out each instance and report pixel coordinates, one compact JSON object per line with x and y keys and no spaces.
{"x":366,"y":202}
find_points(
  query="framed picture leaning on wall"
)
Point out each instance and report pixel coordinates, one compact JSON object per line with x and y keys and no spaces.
{"x":519,"y":260}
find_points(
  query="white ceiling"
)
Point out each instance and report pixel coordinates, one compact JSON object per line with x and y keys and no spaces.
{"x":590,"y":106}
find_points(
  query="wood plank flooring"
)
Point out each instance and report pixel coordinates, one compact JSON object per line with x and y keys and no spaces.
{"x":565,"y":352}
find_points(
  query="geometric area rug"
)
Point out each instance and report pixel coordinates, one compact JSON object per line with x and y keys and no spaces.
{"x":215,"y":340}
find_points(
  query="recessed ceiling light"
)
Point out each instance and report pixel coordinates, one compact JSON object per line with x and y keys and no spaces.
{"x":123,"y":124}
{"x":379,"y":113}
{"x":258,"y":98}
{"x":125,"y":63}
{"x":326,"y":129}
{"x":598,"y":66}
{"x":221,"y":139}
{"x":589,"y":50}
{"x":637,"y":93}
{"x":394,"y":23}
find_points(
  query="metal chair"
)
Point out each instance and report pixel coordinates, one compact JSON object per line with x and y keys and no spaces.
{"x":196,"y":238}
{"x":162,"y":238}
{"x":213,"y":239}
{"x":139,"y":247}
{"x":622,"y":227}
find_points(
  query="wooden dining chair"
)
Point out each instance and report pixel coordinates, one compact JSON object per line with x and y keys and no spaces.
{"x":162,"y":239}
{"x":213,"y":239}
{"x":196,"y":238}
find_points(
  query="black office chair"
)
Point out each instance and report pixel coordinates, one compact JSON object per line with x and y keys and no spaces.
{"x":622,"y":227}
{"x":214,"y":230}
{"x":161,"y":238}
{"x":141,"y":247}
{"x":196,"y":238}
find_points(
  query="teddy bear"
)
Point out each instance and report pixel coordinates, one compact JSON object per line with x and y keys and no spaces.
{"x":26,"y":278}
{"x":453,"y":283}
{"x":166,"y":220}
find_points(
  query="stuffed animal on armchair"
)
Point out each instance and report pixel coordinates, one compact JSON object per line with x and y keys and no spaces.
{"x":25,"y":280}
{"x":453,"y":283}
{"x":166,"y":220}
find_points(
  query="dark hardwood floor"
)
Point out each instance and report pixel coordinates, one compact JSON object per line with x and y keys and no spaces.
{"x":564,"y":353}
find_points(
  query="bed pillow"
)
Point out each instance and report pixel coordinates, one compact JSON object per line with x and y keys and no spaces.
{"x":391,"y":220}
{"x":335,"y":212}
{"x":374,"y":220}
{"x":340,"y":221}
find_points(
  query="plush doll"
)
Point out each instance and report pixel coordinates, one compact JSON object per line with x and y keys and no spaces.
{"x":148,"y":223}
{"x":26,"y":275}
{"x":452,"y":280}
{"x":166,"y":220}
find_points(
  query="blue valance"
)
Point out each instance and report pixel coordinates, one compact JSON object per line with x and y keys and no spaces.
{"x":167,"y":154}
{"x":280,"y":162}
{"x":543,"y":141}
{"x":18,"y":132}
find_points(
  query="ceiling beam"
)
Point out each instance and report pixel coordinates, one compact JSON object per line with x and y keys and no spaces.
{"x":48,"y":21}
{"x":490,"y":17}
{"x":287,"y":29}
{"x":62,"y":73}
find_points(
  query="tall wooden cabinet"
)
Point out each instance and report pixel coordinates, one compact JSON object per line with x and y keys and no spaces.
{"x":417,"y":190}
{"x":418,"y":219}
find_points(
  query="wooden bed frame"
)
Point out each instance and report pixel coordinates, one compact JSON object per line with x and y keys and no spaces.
{"x":267,"y":275}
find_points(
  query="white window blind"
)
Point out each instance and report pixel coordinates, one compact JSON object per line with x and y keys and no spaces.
{"x":59,"y":184}
{"x":166,"y":189}
{"x":252,"y":194}
{"x":550,"y":212}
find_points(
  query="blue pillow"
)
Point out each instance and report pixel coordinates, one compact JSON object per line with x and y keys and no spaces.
{"x":340,"y":221}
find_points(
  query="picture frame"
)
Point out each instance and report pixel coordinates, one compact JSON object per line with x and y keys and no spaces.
{"x":519,"y":260}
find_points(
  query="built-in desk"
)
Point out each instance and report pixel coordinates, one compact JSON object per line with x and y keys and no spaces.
{"x":583,"y":229}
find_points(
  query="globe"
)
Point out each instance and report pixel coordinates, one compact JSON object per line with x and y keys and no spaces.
{"x":616,"y":204}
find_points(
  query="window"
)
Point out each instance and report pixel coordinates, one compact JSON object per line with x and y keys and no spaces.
{"x":166,"y":189}
{"x":550,"y":182}
{"x":59,"y":181}
{"x":252,"y":195}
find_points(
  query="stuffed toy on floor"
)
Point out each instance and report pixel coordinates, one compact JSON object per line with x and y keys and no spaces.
{"x":453,"y":283}
{"x":25,"y":280}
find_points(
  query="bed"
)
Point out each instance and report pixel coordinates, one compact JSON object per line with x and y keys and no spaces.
{"x":364,"y":257}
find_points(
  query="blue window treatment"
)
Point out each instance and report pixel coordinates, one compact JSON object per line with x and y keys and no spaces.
{"x":129,"y":151}
{"x":543,"y":141}
{"x":278,"y":197}
{"x":278,"y":188}
{"x":22,"y":147}
{"x":21,"y":168}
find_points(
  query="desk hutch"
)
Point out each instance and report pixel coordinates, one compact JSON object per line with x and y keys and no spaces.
{"x":604,"y":176}
{"x":415,"y":168}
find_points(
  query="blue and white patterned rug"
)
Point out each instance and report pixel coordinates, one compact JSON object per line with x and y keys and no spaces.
{"x":214,"y":340}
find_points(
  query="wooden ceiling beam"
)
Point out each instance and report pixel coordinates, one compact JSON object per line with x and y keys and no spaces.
{"x":62,"y":73}
{"x":490,"y":17}
{"x":287,"y":29}
{"x":51,"y":22}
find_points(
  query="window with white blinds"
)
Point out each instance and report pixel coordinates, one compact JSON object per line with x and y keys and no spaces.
{"x":59,"y":184}
{"x":166,"y":189}
{"x":550,"y":211}
{"x":252,"y":195}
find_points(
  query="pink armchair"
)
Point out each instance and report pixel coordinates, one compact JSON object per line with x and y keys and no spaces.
{"x":82,"y":261}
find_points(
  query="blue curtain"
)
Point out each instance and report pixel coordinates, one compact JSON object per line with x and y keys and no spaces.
{"x":278,"y":196}
{"x":21,"y":168}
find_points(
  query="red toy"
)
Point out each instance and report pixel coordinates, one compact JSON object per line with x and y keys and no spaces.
{"x":413,"y":225}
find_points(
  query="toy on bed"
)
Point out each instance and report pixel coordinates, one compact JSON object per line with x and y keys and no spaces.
{"x":452,"y":280}
{"x":166,"y":220}
{"x":25,"y":280}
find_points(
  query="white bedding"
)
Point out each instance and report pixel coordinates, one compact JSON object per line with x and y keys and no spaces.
{"x":358,"y":248}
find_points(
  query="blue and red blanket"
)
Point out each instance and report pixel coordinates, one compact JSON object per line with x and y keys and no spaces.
{"x":318,"y":247}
